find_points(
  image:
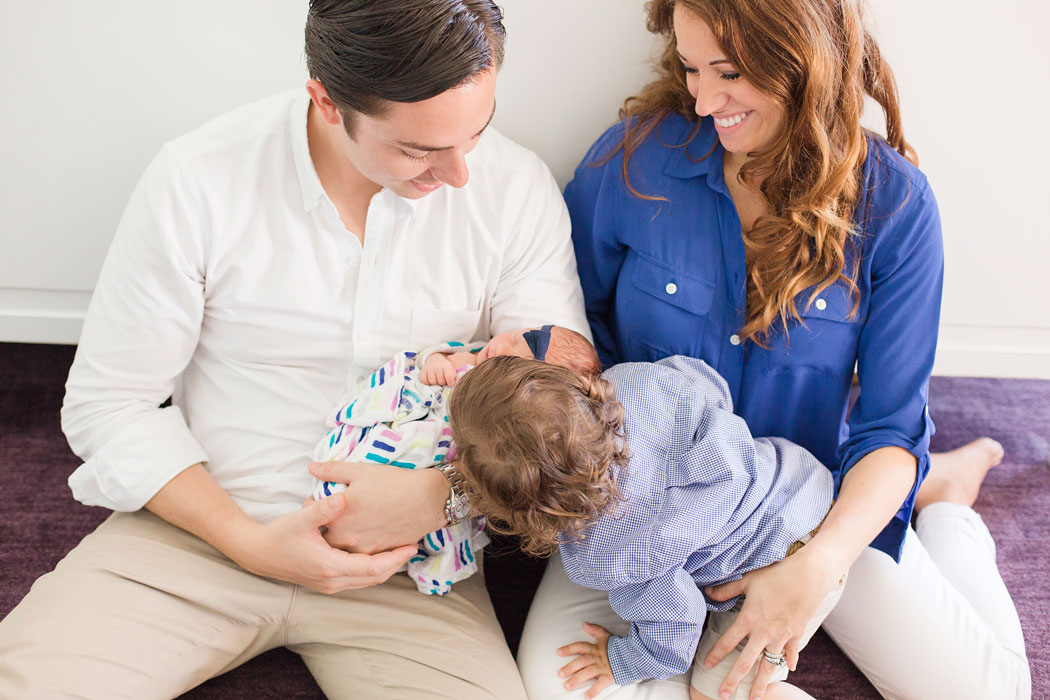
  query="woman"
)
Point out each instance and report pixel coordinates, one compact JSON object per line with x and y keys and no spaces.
{"x":740,"y":214}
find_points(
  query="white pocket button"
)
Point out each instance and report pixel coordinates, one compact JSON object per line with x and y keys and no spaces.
{"x":821,"y":304}
{"x":671,"y":288}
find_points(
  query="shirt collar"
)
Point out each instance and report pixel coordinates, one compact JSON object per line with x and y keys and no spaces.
{"x":312,"y":190}
{"x":702,"y":156}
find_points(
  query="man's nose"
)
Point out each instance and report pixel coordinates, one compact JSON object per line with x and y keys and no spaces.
{"x":452,"y":169}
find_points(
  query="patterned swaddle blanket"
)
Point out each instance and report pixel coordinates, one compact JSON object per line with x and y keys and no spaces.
{"x":392,"y":417}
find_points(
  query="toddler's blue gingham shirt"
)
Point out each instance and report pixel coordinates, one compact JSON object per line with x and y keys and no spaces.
{"x":706,"y":503}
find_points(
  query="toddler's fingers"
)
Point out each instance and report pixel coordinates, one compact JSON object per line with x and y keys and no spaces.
{"x":596,"y":631}
{"x":582,"y":676}
{"x":576,"y":648}
{"x":576,"y":664}
{"x":601,"y":684}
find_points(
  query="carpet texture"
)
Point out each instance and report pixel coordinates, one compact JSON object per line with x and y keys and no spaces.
{"x":40,"y":522}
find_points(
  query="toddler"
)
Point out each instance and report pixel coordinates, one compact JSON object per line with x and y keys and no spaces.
{"x":397,"y":416}
{"x":651,"y":488}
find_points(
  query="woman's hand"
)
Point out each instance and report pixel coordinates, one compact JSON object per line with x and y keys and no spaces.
{"x":591,"y":662}
{"x":780,"y":601}
{"x":292,"y":549}
{"x":386,"y":507}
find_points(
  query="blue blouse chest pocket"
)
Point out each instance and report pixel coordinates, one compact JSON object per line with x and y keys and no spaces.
{"x":825,"y":341}
{"x":666,"y":309}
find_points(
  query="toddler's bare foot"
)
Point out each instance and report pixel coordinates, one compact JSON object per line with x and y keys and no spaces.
{"x":956,"y":476}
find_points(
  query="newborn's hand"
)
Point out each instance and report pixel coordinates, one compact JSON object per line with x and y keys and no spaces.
{"x":591,"y":662}
{"x":438,"y":370}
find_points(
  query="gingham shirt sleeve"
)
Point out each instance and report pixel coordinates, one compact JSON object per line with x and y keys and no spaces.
{"x":668,"y":615}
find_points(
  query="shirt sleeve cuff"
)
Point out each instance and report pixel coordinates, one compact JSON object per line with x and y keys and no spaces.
{"x":132,"y":467}
{"x":620,"y":653}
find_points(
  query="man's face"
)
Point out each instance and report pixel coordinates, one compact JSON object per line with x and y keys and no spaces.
{"x":415,"y":148}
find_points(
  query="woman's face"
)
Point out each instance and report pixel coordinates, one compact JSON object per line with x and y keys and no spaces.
{"x":747,"y":120}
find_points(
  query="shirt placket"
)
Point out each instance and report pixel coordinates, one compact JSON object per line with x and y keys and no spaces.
{"x":371,"y":289}
{"x":731,"y":350}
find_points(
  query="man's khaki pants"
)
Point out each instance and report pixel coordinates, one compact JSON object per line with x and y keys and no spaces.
{"x":141,"y":609}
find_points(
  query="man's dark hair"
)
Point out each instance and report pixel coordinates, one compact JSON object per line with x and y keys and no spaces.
{"x":368,"y":52}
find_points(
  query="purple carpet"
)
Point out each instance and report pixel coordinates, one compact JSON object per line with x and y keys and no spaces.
{"x":41,"y":522}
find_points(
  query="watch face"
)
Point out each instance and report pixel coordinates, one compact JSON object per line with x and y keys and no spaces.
{"x":461,"y":508}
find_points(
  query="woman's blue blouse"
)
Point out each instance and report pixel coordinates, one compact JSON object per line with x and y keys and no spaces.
{"x":667,"y":277}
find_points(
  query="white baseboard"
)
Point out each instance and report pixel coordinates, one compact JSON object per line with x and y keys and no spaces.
{"x":54,"y":316}
{"x":42,"y":315}
{"x":993,"y":351}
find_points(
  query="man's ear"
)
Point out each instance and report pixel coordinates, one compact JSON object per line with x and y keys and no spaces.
{"x":325,"y":107}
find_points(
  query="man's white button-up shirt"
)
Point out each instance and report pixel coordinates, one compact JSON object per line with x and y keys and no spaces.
{"x":233,"y":287}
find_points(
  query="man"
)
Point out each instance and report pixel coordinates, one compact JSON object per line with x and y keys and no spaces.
{"x":264,"y":262}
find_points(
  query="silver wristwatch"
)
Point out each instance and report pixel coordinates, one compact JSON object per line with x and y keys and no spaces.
{"x":457,"y":507}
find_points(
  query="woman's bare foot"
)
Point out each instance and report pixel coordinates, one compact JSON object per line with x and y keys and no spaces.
{"x":956,"y":476}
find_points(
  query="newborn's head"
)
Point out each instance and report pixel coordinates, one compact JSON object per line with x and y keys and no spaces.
{"x":552,"y":344}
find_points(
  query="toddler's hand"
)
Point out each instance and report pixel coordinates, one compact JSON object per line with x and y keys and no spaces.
{"x":439,"y":370}
{"x":591,"y":662}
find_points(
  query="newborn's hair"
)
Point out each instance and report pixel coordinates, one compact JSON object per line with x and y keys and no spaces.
{"x":540,"y":446}
{"x":570,"y":349}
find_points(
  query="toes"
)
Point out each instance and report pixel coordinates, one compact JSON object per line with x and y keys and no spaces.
{"x":990,"y":450}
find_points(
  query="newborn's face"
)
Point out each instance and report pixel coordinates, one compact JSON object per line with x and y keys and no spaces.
{"x":509,"y":343}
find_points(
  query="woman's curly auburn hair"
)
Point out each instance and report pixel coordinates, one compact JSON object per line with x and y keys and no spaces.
{"x":540,"y":446}
{"x":816,"y":59}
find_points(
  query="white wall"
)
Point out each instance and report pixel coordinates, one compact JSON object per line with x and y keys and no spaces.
{"x":973,"y":82}
{"x":88,"y":93}
{"x":90,"y":90}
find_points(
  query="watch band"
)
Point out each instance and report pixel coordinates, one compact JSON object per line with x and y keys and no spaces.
{"x":457,"y":507}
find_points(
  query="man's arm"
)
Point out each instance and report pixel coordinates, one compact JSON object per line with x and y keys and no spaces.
{"x":290,"y":548}
{"x":140,"y":332}
{"x":538,"y":281}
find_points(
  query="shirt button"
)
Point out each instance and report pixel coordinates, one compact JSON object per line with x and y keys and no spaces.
{"x":821,"y":304}
{"x":671,"y":288}
{"x":734,"y":339}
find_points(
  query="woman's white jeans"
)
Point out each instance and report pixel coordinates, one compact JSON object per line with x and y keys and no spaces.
{"x":940,"y":624}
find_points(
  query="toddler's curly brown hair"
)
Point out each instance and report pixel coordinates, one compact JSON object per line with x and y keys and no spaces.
{"x":540,"y":446}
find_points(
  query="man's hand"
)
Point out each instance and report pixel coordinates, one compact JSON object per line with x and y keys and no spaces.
{"x":591,"y":662}
{"x":386,"y":507}
{"x":292,"y":549}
